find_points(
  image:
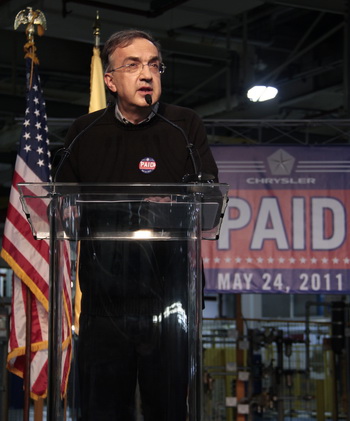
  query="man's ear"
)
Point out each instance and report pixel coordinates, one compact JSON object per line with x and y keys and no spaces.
{"x":109,"y":82}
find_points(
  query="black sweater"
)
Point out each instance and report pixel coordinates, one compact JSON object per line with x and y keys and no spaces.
{"x":111,"y":152}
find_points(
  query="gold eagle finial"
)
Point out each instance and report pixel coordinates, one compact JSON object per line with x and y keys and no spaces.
{"x":31,"y":18}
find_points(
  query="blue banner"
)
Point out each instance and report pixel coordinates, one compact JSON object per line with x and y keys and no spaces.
{"x":286,"y":227}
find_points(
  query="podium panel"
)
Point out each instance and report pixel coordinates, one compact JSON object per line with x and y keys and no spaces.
{"x":138,"y":353}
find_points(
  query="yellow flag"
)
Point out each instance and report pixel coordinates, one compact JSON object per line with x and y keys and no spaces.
{"x":97,"y":86}
{"x":97,"y":102}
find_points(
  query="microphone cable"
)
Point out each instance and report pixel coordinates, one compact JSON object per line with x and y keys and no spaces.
{"x":189,"y":145}
{"x":67,"y":151}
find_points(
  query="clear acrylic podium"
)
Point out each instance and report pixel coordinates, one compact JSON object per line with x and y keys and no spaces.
{"x":164,"y":223}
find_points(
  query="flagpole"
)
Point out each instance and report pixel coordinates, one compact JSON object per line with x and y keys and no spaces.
{"x":26,"y":384}
{"x":32,"y":19}
{"x":97,"y":30}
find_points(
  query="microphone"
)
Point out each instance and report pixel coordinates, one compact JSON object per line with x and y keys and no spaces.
{"x":67,"y":151}
{"x":188,"y":178}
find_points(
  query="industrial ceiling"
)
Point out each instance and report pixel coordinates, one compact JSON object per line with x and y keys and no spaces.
{"x":214,"y":51}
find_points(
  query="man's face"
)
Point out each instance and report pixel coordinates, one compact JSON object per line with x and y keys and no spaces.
{"x":131,"y":86}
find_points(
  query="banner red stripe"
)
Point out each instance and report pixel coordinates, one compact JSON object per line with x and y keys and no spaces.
{"x":67,"y":280}
{"x":22,"y":227}
{"x":36,"y":328}
{"x":13,"y":342}
{"x":40,"y":385}
{"x":21,"y":224}
{"x":26,"y":266}
{"x":40,"y":205}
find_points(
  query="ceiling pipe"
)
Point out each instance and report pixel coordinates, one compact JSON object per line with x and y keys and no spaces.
{"x":218,"y":106}
{"x":152,"y":13}
{"x":290,"y":59}
{"x":336,"y":7}
{"x":219,"y":36}
{"x":199,"y":86}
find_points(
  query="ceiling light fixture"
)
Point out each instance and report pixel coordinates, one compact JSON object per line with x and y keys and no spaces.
{"x":261,"y":93}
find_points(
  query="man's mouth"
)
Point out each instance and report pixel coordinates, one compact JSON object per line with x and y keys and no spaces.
{"x":146,"y":90}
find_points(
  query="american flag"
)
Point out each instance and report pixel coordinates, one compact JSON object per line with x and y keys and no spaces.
{"x":29,"y":258}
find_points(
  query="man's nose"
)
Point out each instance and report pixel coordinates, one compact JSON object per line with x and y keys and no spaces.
{"x":146,"y":71}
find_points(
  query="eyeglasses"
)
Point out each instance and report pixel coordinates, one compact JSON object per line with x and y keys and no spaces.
{"x":138,"y":67}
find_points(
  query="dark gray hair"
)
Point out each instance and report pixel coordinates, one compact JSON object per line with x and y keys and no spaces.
{"x":123,"y":39}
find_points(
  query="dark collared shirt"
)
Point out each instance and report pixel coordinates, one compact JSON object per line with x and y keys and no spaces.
{"x":124,"y":120}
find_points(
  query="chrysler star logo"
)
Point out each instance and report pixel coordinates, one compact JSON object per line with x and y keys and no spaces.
{"x":281,"y":162}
